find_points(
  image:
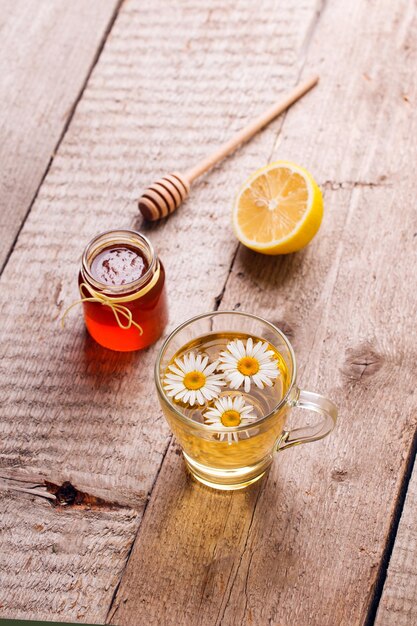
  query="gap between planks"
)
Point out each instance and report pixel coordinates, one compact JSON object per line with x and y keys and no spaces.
{"x":65,"y":127}
{"x":392,"y":535}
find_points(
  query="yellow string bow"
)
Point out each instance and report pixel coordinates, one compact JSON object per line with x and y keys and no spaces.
{"x":114,"y":303}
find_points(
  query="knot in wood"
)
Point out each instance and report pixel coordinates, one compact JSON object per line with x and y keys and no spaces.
{"x":339,"y":474}
{"x":362,"y":362}
{"x":66,"y":494}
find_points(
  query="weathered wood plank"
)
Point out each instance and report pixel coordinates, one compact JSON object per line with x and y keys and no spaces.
{"x":82,"y":550}
{"x":305,"y":546}
{"x":398,"y":606}
{"x":71,"y":410}
{"x":47,"y":50}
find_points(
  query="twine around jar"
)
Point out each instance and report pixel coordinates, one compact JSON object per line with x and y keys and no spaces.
{"x":115,"y":304}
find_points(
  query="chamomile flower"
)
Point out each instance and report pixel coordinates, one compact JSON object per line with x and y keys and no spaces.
{"x":243,"y":364}
{"x":229,"y":412}
{"x":191,"y":379}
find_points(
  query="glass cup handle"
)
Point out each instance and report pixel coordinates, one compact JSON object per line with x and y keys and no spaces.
{"x":312,"y":402}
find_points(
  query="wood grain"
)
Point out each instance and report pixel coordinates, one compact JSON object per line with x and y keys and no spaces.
{"x":61,"y":562}
{"x":47,"y":50}
{"x":398,"y":602}
{"x":70,"y":410}
{"x":305,"y":546}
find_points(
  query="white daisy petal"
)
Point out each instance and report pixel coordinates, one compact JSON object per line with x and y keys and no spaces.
{"x":247,"y":384}
{"x":209,"y":369}
{"x":191,"y":361}
{"x":227,"y":361}
{"x":214,"y":385}
{"x":176,"y":370}
{"x":272,"y":376}
{"x":246,"y":409}
{"x":216,"y":377}
{"x":180,"y":364}
{"x":219,"y":404}
{"x":249,"y":346}
{"x":174,"y":377}
{"x":205,"y":393}
{"x":238,"y":376}
{"x":263,"y":359}
{"x":266,"y":380}
{"x":186,"y":359}
{"x":234,"y":349}
{"x":237,"y":403}
{"x":256,"y":349}
{"x":257,"y":379}
{"x":173,"y":388}
{"x":225,"y":367}
{"x":269,"y":367}
{"x":265,"y":354}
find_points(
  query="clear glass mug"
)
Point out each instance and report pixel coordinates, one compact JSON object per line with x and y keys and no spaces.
{"x":208,"y":457}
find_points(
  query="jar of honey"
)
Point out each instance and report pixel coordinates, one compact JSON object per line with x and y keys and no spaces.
{"x":122,"y":287}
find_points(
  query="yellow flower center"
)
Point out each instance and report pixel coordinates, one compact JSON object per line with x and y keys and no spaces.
{"x":248,"y":366}
{"x":194,"y":380}
{"x":230,"y":418}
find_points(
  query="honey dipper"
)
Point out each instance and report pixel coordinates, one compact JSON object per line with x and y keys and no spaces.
{"x":166,"y":194}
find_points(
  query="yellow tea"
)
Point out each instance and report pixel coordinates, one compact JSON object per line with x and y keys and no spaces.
{"x":226,"y":383}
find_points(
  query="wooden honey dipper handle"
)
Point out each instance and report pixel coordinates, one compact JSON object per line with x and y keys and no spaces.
{"x":250,"y":130}
{"x":165,"y":196}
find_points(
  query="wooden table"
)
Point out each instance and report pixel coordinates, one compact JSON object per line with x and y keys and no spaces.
{"x":98,"y":99}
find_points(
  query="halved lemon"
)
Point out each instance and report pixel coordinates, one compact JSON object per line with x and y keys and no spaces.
{"x":278,"y":210}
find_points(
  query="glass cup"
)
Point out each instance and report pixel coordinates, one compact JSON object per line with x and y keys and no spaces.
{"x":206,"y":451}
